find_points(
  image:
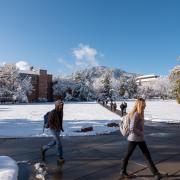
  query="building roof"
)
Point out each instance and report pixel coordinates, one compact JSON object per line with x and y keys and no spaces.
{"x":145,"y":80}
{"x":147,"y":76}
{"x":35,"y":72}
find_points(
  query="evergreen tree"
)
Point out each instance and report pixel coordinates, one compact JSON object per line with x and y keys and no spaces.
{"x":122,"y":86}
{"x":106,"y":86}
{"x":132,"y":87}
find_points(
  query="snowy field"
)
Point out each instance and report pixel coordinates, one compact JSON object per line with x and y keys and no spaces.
{"x":159,"y":110}
{"x":27,"y":120}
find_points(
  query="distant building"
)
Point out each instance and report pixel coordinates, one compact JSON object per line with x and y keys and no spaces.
{"x":42,"y":85}
{"x":140,"y":80}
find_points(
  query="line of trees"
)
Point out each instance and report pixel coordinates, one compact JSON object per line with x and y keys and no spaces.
{"x":84,"y":88}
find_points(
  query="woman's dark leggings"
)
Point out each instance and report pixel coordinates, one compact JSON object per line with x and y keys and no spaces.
{"x":145,"y":151}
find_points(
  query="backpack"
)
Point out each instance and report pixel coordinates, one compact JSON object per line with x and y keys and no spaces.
{"x":124,"y":125}
{"x":46,"y":123}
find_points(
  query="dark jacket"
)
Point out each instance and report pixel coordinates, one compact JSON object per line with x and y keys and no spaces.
{"x":122,"y":106}
{"x":55,"y":119}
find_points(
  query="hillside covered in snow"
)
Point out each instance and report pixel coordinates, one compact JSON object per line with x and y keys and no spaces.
{"x":94,"y":82}
{"x":98,"y":72}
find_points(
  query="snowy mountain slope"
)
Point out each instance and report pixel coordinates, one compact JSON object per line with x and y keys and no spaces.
{"x":90,"y":83}
{"x":98,"y":72}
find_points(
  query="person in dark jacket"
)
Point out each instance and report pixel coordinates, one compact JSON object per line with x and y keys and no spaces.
{"x":55,"y":122}
{"x":111,"y":105}
{"x":107,"y":102}
{"x":122,"y":109}
{"x":115,"y":107}
{"x":125,"y":106}
{"x":136,"y":138}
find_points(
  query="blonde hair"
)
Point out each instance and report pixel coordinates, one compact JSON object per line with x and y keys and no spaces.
{"x":139,"y":108}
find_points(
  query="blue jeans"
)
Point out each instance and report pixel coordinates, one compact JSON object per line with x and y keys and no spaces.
{"x":56,"y":141}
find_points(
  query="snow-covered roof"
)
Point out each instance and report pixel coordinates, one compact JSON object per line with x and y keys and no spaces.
{"x":145,"y":80}
{"x":147,"y":76}
{"x":35,"y":72}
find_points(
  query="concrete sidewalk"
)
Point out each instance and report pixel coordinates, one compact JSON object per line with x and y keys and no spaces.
{"x":99,"y":157}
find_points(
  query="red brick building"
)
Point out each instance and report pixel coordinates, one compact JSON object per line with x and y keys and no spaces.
{"x":42,"y":85}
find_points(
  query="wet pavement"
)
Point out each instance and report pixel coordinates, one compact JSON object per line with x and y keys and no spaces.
{"x":98,"y":157}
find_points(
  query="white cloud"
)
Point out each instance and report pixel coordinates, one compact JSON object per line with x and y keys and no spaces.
{"x":65,"y":63}
{"x":178,"y":58}
{"x":23,"y":65}
{"x":85,"y":55}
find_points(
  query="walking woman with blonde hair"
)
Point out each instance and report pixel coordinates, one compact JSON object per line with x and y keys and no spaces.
{"x":136,"y":137}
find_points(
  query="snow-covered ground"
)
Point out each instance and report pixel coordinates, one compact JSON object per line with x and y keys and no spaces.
{"x":27,"y":120}
{"x":159,"y":110}
{"x":8,"y":168}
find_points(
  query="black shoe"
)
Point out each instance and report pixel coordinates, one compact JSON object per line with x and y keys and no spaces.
{"x":42,"y":154}
{"x":124,"y":173}
{"x":60,"y":160}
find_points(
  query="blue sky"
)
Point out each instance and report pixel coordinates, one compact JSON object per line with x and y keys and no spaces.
{"x":141,"y":36}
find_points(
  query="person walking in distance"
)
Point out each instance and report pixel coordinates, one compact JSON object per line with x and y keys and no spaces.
{"x":125,"y":106}
{"x":136,"y":137}
{"x":111,"y":105}
{"x":115,"y":107}
{"x":122,"y":109}
{"x":55,"y":122}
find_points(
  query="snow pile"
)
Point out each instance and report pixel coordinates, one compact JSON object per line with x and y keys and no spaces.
{"x":8,"y":168}
{"x":41,"y":170}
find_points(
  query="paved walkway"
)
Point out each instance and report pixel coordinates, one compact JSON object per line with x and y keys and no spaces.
{"x":99,"y":157}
